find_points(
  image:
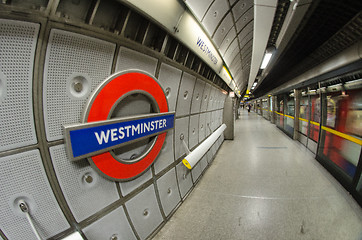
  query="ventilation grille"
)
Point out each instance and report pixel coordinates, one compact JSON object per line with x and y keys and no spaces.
{"x":17,"y":48}
{"x":85,"y":190}
{"x":22,"y":177}
{"x":72,"y":57}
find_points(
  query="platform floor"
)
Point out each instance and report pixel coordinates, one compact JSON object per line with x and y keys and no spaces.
{"x":263,"y":185}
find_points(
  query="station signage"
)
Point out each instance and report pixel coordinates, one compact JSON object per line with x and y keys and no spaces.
{"x":98,"y":134}
{"x":96,"y":137}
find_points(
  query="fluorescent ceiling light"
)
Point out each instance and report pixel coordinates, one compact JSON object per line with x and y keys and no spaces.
{"x":266,"y":60}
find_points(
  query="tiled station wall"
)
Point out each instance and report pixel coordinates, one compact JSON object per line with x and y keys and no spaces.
{"x":38,"y":64}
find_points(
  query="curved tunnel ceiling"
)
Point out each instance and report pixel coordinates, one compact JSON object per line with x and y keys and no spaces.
{"x":329,"y":27}
{"x":230,"y":25}
{"x":304,"y":32}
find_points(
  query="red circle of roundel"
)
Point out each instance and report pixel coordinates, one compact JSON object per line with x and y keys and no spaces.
{"x":102,"y":105}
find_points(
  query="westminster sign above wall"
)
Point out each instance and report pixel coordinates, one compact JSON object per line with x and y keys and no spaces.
{"x":98,"y":134}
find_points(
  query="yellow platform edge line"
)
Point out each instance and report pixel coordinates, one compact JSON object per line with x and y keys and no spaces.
{"x":343,"y":135}
{"x":289,"y":116}
{"x":304,"y":120}
{"x":315,"y":123}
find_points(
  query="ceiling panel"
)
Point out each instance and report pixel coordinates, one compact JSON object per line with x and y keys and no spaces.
{"x":231,"y":52}
{"x":246,"y":48}
{"x":231,"y":48}
{"x":245,"y":39}
{"x":241,"y":7}
{"x":232,"y":2}
{"x":227,"y":41}
{"x":223,"y":29}
{"x":247,"y":29}
{"x":199,"y":7}
{"x":245,"y":19}
{"x":236,"y":61}
{"x":214,"y":15}
{"x":238,"y":70}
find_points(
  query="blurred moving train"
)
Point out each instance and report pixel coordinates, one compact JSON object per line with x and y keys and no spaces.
{"x":329,"y":123}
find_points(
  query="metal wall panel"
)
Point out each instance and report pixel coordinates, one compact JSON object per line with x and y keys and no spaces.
{"x":197,"y":96}
{"x":170,"y":80}
{"x":213,"y":120}
{"x":185,"y":94}
{"x":194,"y":131}
{"x":144,"y":212}
{"x":199,"y":7}
{"x":22,"y":176}
{"x":17,"y":51}
{"x":169,"y":192}
{"x":196,"y":172}
{"x":114,"y":224}
{"x":181,"y":129}
{"x":220,"y":116}
{"x":84,"y":189}
{"x":202,"y":127}
{"x":214,"y":15}
{"x":184,"y":179}
{"x":129,"y":186}
{"x":203,"y":162}
{"x":209,"y":156}
{"x":223,"y":29}
{"x":72,"y":58}
{"x":213,"y":149}
{"x":129,"y":59}
{"x":166,"y":156}
{"x":211,"y":99}
{"x":205,"y":97}
{"x":208,"y":124}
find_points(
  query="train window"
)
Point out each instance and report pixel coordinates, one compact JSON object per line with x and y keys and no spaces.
{"x":340,"y":140}
{"x":289,"y":116}
{"x":280,"y":111}
{"x":314,"y":105}
{"x":303,"y":115}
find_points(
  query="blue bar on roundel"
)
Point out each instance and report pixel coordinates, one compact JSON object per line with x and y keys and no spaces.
{"x":86,"y":139}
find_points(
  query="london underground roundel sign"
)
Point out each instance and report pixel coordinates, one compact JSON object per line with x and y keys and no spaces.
{"x":99,"y":134}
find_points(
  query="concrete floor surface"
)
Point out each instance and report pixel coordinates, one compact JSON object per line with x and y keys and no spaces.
{"x":264,"y":185}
